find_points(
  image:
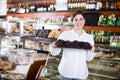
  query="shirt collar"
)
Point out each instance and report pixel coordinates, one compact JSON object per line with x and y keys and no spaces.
{"x":83,"y":34}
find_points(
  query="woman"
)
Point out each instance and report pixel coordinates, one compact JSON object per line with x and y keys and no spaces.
{"x":73,"y":62}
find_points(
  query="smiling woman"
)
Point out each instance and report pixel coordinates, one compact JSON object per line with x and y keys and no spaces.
{"x":72,"y":56}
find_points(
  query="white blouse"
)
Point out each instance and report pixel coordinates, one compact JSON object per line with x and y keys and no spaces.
{"x":73,"y":61}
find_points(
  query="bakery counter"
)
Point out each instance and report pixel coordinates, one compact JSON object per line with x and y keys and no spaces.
{"x":23,"y":68}
{"x":28,"y":71}
{"x":101,"y":68}
{"x":105,"y":67}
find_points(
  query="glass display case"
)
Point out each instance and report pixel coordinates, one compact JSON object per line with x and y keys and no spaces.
{"x":21,"y":27}
{"x":101,"y":68}
{"x":104,"y":69}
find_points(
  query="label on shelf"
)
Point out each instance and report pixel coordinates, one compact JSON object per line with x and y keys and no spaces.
{"x":61,"y":5}
{"x":115,"y":44}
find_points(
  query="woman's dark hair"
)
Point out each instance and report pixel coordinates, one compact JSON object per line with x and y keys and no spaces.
{"x":76,"y":13}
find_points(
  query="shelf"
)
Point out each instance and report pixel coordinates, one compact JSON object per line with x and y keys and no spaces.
{"x":105,"y":28}
{"x":111,"y":29}
{"x":41,"y":14}
{"x":104,"y":58}
{"x":23,"y":1}
{"x":100,"y":75}
{"x":68,"y":11}
{"x":40,"y":39}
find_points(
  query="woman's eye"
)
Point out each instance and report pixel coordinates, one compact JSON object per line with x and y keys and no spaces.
{"x":79,"y":19}
{"x":76,"y":19}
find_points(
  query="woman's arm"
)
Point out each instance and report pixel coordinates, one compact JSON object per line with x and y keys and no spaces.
{"x":91,"y":54}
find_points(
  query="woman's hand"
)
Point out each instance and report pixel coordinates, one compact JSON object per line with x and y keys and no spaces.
{"x":53,"y":45}
{"x":93,"y":48}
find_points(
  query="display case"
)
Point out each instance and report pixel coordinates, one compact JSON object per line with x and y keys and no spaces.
{"x":104,"y":68}
{"x":20,"y":27}
{"x":14,"y":27}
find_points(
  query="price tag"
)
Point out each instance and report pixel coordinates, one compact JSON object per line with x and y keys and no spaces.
{"x":61,"y":5}
{"x":113,"y":44}
{"x":3,"y":7}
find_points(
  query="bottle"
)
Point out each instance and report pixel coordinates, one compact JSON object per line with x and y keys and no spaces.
{"x":84,"y":4}
{"x":93,"y":4}
{"x":103,"y":4}
{"x":47,"y":5}
{"x":98,"y":5}
{"x":79,"y":4}
{"x":53,"y":5}
{"x":107,"y":4}
{"x":69,"y":4}
{"x":32,"y":7}
{"x":113,"y":5}
{"x":76,"y":4}
{"x":21,"y":8}
{"x":26,"y":8}
{"x":87,"y":5}
{"x":13,"y":9}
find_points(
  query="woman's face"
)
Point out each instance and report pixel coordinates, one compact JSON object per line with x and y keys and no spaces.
{"x":78,"y":21}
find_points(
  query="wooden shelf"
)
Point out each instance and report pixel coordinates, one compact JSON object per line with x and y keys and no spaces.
{"x":23,"y":1}
{"x":105,"y":28}
{"x":65,"y":13}
{"x":40,"y":39}
{"x":68,"y":14}
{"x":41,"y":14}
